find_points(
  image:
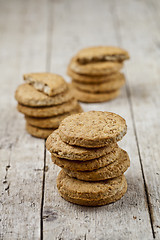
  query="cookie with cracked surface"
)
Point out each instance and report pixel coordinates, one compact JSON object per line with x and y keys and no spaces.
{"x":89,"y":165}
{"x":49,"y":111}
{"x":48,"y":83}
{"x":92,"y":79}
{"x":92,"y":129}
{"x":101,"y":54}
{"x":27,"y":95}
{"x":91,"y":193}
{"x":104,"y":87}
{"x":114,"y":169}
{"x":95,"y":68}
{"x":38,"y":132}
{"x":52,"y":122}
{"x":60,"y":149}
{"x":88,"y":97}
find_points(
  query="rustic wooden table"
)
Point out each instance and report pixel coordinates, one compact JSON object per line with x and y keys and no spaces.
{"x":42,"y":36}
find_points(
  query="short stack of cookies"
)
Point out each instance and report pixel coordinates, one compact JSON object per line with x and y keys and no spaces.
{"x":93,"y":165}
{"x":45,"y":100}
{"x":95,"y":73}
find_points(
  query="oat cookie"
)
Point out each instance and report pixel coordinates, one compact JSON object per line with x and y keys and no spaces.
{"x":92,"y":129}
{"x":101,"y":54}
{"x":38,"y":132}
{"x":87,"y":97}
{"x":48,"y":83}
{"x":95,"y":68}
{"x":92,"y":79}
{"x":91,"y":193}
{"x":104,"y":87}
{"x":47,"y":111}
{"x":27,"y":95}
{"x":52,"y":122}
{"x":115,"y":169}
{"x":89,"y":165}
{"x":60,"y":149}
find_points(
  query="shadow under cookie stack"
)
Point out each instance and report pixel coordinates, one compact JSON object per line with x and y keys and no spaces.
{"x":93,"y":165}
{"x":45,"y":100}
{"x":95,"y":73}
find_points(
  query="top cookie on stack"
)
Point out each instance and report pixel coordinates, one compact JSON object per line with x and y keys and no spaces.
{"x":46,"y":99}
{"x":95,"y":73}
{"x":92,"y":129}
{"x":85,"y":147}
{"x":49,"y":83}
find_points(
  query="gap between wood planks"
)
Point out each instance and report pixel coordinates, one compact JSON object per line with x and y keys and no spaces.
{"x":48,"y":68}
{"x":5,"y":182}
{"x":43,"y":188}
{"x":116,"y":23}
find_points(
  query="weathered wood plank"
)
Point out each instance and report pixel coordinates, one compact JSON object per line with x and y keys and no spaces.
{"x":24,"y":43}
{"x":78,"y":24}
{"x":143,"y":78}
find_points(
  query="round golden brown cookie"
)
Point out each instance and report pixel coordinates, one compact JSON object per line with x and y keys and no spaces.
{"x":52,"y":122}
{"x":92,"y":129}
{"x":38,"y":132}
{"x":87,"y":97}
{"x":101,"y":53}
{"x":60,"y":149}
{"x":93,"y":79}
{"x":108,"y":86}
{"x":43,"y":112}
{"x":95,"y":68}
{"x":91,"y":193}
{"x":114,"y":169}
{"x":89,"y":165}
{"x":29,"y":96}
{"x":48,"y":83}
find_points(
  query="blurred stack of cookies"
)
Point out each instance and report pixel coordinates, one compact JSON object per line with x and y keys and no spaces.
{"x":93,"y":165}
{"x":95,"y":73}
{"x":45,"y":100}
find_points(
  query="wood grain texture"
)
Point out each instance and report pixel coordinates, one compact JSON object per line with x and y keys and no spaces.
{"x":22,"y":157}
{"x":144,"y":90}
{"x":43,"y":36}
{"x":129,"y":217}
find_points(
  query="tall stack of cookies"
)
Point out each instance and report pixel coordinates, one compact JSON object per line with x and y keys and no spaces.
{"x":95,"y":73}
{"x":45,"y":100}
{"x":93,"y":165}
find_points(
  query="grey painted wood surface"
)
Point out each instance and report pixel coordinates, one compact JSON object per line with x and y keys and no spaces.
{"x":43,"y":36}
{"x":144,"y":93}
{"x":23,"y":49}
